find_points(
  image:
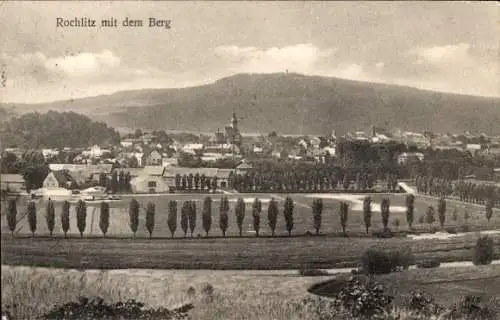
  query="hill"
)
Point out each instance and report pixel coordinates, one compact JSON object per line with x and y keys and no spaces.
{"x":290,"y":103}
{"x":54,"y":129}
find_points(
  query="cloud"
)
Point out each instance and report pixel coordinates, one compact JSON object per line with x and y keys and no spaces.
{"x":83,"y":64}
{"x":459,"y":68}
{"x":302,"y":58}
{"x":439,"y":55}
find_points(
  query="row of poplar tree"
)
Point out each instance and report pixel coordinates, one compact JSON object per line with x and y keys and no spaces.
{"x":188,"y":215}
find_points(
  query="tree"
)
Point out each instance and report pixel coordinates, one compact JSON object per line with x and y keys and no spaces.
{"x":103,"y":180}
{"x":489,"y":209}
{"x":184,"y":182}
{"x":133,"y":212}
{"x":483,"y":252}
{"x":113,"y":183}
{"x":207,"y":214}
{"x":185,"y":211}
{"x":385,"y":211}
{"x":190,"y":178}
{"x":344,"y":212}
{"x":429,"y":216}
{"x":240,"y":213}
{"x":192,"y":218}
{"x":104,"y":218}
{"x":442,"y":211}
{"x":32,"y":217}
{"x":81,"y":216}
{"x":223,"y":216}
{"x":288,"y":214}
{"x":12,"y":216}
{"x":317,"y":210}
{"x":172,"y":217}
{"x":410,"y":209}
{"x":197,"y":180}
{"x":256,"y":210}
{"x":150,"y":218}
{"x":272,"y":215}
{"x":367,"y":212}
{"x":50,"y":216}
{"x":454,"y":215}
{"x":65,"y":217}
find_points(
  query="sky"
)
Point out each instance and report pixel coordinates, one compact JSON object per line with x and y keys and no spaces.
{"x":442,"y":46}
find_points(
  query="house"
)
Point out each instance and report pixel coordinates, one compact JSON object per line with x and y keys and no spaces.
{"x":145,"y":183}
{"x":154,"y":158}
{"x":148,"y":170}
{"x":332,"y":150}
{"x":129,"y":142}
{"x":167,"y":162}
{"x":258,"y":150}
{"x":303,"y":143}
{"x":406,"y":156}
{"x":243,"y":168}
{"x":49,"y":153}
{"x":192,"y":148}
{"x":83,"y":173}
{"x":473,"y":147}
{"x":59,"y":179}
{"x":12,"y":183}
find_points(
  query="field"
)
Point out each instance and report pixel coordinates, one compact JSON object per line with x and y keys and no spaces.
{"x":119,"y":221}
{"x":219,"y":253}
{"x":236,"y":294}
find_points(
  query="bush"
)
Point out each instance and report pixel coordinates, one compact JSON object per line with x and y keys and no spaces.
{"x":96,"y":309}
{"x":464,"y":228}
{"x":307,"y":271}
{"x":364,"y":299}
{"x":421,"y":219}
{"x":473,"y":307}
{"x":451,"y":230}
{"x":428,"y":264}
{"x":384,"y":233}
{"x":421,"y":303}
{"x":380,"y":261}
{"x":483,"y":252}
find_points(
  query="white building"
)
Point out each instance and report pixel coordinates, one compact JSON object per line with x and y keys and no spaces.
{"x":405,"y":156}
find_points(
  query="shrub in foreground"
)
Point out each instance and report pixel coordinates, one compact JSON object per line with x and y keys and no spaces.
{"x":483,"y":252}
{"x":427,"y":264}
{"x":367,"y":300}
{"x":96,"y":309}
{"x":381,"y":261}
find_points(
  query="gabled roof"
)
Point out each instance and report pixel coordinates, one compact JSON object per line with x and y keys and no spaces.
{"x":104,"y":167}
{"x":173,"y":171}
{"x":244,"y":165}
{"x":146,"y":171}
{"x":63,"y":177}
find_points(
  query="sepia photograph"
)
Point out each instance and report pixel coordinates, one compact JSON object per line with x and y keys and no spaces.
{"x":250,"y":160}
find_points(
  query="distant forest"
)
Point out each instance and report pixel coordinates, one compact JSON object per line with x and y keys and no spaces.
{"x":56,"y":130}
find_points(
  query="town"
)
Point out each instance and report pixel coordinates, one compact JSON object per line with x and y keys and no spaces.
{"x":149,"y":161}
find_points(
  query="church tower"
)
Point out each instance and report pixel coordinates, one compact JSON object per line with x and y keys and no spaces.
{"x":234,"y":122}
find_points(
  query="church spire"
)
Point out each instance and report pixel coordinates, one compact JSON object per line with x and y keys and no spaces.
{"x":234,"y":122}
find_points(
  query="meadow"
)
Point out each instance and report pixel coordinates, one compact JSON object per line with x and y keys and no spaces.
{"x":221,"y":253}
{"x":303,"y":222}
{"x":233,"y":294}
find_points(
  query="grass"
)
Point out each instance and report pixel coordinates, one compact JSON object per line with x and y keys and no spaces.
{"x":444,"y":284}
{"x":220,"y":253}
{"x":119,"y":219}
{"x":237,"y":294}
